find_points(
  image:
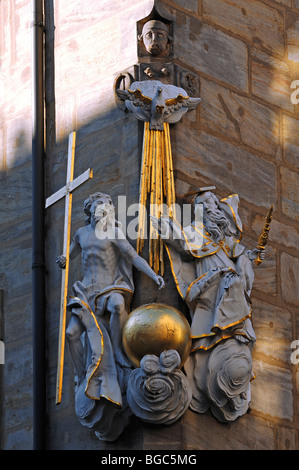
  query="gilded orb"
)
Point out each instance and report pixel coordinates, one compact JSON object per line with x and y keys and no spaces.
{"x":154,"y":328}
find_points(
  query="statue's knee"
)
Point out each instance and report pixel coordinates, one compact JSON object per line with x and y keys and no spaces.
{"x":72,"y":333}
{"x":116,"y":304}
{"x":69,"y":334}
{"x":119,"y":308}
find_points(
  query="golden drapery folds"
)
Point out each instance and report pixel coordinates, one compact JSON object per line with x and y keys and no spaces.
{"x":157,"y":189}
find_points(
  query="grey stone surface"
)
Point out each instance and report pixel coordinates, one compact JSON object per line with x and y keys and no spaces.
{"x":289,"y":193}
{"x":273,"y":327}
{"x":211,"y":51}
{"x":289,"y":274}
{"x":290,"y":132}
{"x":273,"y":391}
{"x":239,"y":118}
{"x":94,"y":42}
{"x":258,"y":23}
{"x":271,"y":79}
{"x":201,"y":155}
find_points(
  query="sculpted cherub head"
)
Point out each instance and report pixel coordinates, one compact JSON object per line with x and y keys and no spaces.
{"x":155,"y":36}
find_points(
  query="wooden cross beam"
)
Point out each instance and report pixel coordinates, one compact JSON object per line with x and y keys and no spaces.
{"x":66,"y":192}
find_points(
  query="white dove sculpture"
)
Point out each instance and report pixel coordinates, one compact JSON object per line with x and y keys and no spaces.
{"x":156,"y":102}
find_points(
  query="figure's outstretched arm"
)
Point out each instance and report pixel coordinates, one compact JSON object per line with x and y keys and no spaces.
{"x":172,"y":236}
{"x":130,"y":254}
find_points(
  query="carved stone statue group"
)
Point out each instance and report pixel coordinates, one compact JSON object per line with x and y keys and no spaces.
{"x":215,"y":280}
{"x":213,"y":273}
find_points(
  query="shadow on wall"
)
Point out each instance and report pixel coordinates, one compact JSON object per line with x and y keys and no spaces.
{"x":16,"y":308}
{"x":111,"y":144}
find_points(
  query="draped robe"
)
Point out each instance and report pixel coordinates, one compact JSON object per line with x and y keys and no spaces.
{"x":214,"y":279}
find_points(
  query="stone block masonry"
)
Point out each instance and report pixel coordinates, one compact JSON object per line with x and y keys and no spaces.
{"x":16,"y":236}
{"x":243,"y":138}
{"x":255,"y":21}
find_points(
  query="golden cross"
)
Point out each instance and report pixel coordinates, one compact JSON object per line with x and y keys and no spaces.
{"x":66,"y":191}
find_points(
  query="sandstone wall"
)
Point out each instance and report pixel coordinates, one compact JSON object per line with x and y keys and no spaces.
{"x":15,"y":210}
{"x":243,"y":137}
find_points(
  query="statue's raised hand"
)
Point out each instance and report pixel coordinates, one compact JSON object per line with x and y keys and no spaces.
{"x":61,"y":261}
{"x":159,"y":281}
{"x":253,"y":254}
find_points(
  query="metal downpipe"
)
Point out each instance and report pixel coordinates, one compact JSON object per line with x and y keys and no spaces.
{"x":38,"y":249}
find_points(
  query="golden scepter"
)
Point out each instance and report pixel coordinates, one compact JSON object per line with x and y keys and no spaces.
{"x":263,"y":238}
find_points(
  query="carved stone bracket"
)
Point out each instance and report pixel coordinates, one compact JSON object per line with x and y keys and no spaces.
{"x":156,"y":102}
{"x":155,"y":37}
{"x":220,"y":380}
{"x":163,"y":72}
{"x":158,"y":391}
{"x":188,"y":80}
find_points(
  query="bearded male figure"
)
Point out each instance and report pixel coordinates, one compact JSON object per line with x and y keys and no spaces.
{"x":214,"y":275}
{"x":99,"y":308}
